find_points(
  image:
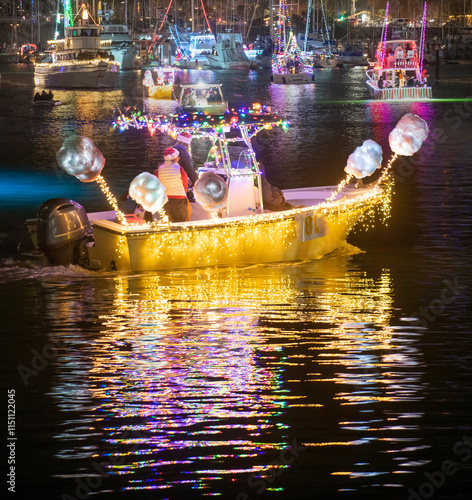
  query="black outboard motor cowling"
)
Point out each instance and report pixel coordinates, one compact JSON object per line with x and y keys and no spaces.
{"x":63,"y":232}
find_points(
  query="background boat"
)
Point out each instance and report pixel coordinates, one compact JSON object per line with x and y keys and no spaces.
{"x":78,"y":61}
{"x":228,"y":53}
{"x":341,"y":355}
{"x":397,"y":72}
{"x":117,"y":39}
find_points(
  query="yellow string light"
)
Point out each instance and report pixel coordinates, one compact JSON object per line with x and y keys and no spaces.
{"x":112,"y":200}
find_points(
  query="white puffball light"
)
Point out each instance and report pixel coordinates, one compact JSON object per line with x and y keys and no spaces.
{"x":365,"y":160}
{"x":408,"y":136}
{"x":80,"y":157}
{"x":148,"y":191}
{"x":211,"y":191}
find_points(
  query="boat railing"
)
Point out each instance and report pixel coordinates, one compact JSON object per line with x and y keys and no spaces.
{"x":392,"y":62}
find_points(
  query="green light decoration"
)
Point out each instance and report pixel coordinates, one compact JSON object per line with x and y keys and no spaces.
{"x":68,"y":16}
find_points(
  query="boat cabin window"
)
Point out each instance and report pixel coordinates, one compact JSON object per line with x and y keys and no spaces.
{"x":214,"y":96}
{"x":194,"y":96}
{"x":83,"y":32}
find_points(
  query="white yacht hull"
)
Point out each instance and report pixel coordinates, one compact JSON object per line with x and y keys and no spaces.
{"x":216,"y":63}
{"x":293,"y":78}
{"x":85,"y":75}
{"x":125,"y":56}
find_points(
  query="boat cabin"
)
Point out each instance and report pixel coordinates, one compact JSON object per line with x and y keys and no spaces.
{"x":236,"y":163}
{"x":397,"y":54}
{"x":202,"y":97}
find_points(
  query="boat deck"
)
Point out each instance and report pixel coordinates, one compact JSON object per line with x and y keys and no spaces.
{"x":299,"y":197}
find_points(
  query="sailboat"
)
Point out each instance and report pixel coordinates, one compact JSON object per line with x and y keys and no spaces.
{"x":288,"y":67}
{"x":322,"y":56}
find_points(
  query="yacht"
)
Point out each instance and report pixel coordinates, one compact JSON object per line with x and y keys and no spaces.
{"x":77,"y":61}
{"x":228,"y":53}
{"x":117,"y":39}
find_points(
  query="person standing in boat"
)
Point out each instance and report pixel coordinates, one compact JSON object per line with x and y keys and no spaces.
{"x":399,"y":55}
{"x":185,"y":160}
{"x":175,"y":180}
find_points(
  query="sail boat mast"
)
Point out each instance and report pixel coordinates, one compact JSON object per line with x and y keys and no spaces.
{"x":307,"y":23}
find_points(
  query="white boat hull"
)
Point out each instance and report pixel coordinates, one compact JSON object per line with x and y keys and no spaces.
{"x":325,"y":62}
{"x":401,"y":93}
{"x":216,"y":63}
{"x":197,"y":63}
{"x":83,"y":75}
{"x":125,"y":56}
{"x":293,"y":78}
{"x":295,"y":235}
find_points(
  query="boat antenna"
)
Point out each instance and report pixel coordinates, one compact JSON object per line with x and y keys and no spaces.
{"x":384,"y":35}
{"x":423,"y":31}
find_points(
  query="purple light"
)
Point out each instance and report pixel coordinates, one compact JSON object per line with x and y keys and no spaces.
{"x":422,"y":38}
{"x":384,"y":37}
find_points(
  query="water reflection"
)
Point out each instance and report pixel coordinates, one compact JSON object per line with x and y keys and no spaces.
{"x":193,"y":380}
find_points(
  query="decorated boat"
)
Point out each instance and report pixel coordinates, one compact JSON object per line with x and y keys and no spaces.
{"x":288,"y":65}
{"x":397,"y":72}
{"x":159,"y":83}
{"x":321,"y":55}
{"x":78,"y":61}
{"x":228,"y":53}
{"x":192,"y":49}
{"x":234,"y":221}
{"x":201,"y":97}
{"x":117,"y":39}
{"x":325,"y":59}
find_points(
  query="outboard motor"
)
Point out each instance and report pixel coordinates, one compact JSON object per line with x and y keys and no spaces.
{"x":63,"y":232}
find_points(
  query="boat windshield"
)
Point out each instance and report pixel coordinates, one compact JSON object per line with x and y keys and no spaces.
{"x":198,"y":96}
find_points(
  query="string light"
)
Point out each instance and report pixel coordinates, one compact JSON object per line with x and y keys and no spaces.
{"x":265,"y":236}
{"x":112,"y":200}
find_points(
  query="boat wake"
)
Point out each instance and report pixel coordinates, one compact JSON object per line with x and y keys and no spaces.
{"x":12,"y":270}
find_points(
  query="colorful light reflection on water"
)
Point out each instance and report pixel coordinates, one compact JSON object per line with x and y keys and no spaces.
{"x":193,"y":381}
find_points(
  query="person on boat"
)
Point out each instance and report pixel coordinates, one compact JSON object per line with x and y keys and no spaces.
{"x":185,"y":160}
{"x":202,"y":99}
{"x":44,"y":96}
{"x":381,"y":82}
{"x":410,"y":54}
{"x":214,"y":96}
{"x":192,"y":98}
{"x":397,"y":79}
{"x":399,"y":54}
{"x":424,"y":78}
{"x":50,"y":96}
{"x":289,"y":65}
{"x":127,"y":205}
{"x":175,"y":180}
{"x":272,"y":197}
{"x":37,"y":97}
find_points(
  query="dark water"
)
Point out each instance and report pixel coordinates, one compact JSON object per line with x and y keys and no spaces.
{"x":347,"y":377}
